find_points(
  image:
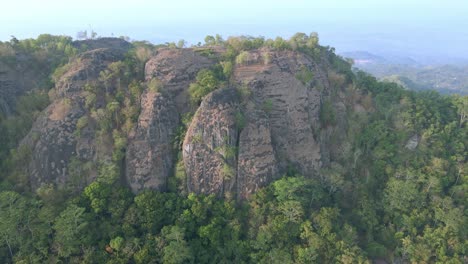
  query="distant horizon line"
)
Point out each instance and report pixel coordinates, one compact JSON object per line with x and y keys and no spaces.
{"x":164,"y":39}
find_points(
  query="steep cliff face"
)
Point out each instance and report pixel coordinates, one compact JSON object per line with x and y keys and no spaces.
{"x":281,"y":125}
{"x":53,"y":140}
{"x":149,"y":159}
{"x":53,"y":143}
{"x":257,"y":162}
{"x":150,"y":154}
{"x":176,"y":69}
{"x":267,"y":121}
{"x":86,"y":70}
{"x":292,"y":107}
{"x":210,"y":145}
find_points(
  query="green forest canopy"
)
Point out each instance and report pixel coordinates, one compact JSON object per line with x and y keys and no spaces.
{"x":384,"y":201}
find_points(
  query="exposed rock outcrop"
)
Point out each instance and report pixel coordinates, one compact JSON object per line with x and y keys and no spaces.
{"x":257,"y":165}
{"x":292,"y":108}
{"x":53,"y":143}
{"x":27,"y":71}
{"x":282,"y":125}
{"x":210,"y":145}
{"x":149,"y":159}
{"x":241,"y":138}
{"x":85,"y":70}
{"x":53,"y":140}
{"x":176,"y":69}
{"x":150,"y":155}
{"x":412,"y":142}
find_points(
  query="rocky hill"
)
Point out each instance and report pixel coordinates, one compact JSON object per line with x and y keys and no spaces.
{"x":268,"y":116}
{"x":280,"y":126}
{"x":242,"y":150}
{"x":53,"y":139}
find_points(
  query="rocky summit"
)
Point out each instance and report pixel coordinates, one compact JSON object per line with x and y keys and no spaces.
{"x":244,"y":150}
{"x":264,"y":120}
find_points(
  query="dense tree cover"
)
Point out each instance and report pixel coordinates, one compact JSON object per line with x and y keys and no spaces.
{"x":47,"y":50}
{"x":13,"y":128}
{"x":446,"y":78}
{"x":37,"y":58}
{"x":206,"y":82}
{"x":402,"y":193}
{"x":112,"y":102}
{"x":379,"y":199}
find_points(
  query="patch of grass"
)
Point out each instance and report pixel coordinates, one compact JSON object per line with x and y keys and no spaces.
{"x":155,"y":85}
{"x":244,"y":92}
{"x":240,"y":120}
{"x":227,"y":171}
{"x":267,"y":106}
{"x":80,"y":124}
{"x":266,"y":58}
{"x":327,"y":113}
{"x":243,"y":58}
{"x":305,"y":75}
{"x":197,"y":138}
{"x":206,"y":52}
{"x":228,"y":151}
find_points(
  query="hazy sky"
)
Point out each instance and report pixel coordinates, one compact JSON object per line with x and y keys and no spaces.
{"x":417,"y":27}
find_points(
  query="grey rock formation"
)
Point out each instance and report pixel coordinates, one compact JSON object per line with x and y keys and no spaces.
{"x":412,"y":142}
{"x":86,"y":70}
{"x":176,"y":69}
{"x":53,"y":143}
{"x":52,"y":139}
{"x":239,"y":140}
{"x":257,"y":165}
{"x":149,"y":159}
{"x":150,"y":156}
{"x":209,"y":147}
{"x":282,"y":126}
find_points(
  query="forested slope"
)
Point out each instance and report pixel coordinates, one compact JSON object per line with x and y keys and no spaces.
{"x":242,"y":150}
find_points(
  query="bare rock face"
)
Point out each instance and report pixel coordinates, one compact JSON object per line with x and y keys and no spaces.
{"x":53,"y":140}
{"x":176,"y":69}
{"x":412,"y":142}
{"x":149,"y":159}
{"x":291,"y":106}
{"x":239,"y":140}
{"x":281,"y":129}
{"x":53,"y":143}
{"x":17,"y":77}
{"x":210,"y":145}
{"x":85,"y":70}
{"x":257,"y":165}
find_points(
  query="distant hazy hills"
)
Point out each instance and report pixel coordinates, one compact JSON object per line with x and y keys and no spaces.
{"x":411,"y":74}
{"x":365,"y":58}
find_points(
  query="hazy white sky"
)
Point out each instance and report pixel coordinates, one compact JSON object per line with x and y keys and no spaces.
{"x":345,"y":24}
